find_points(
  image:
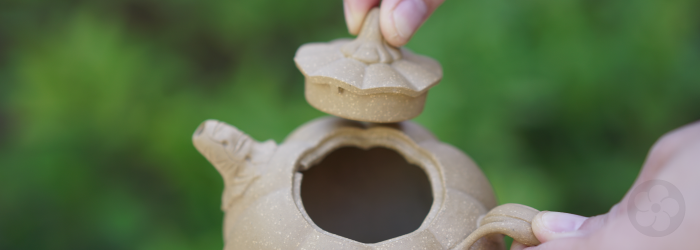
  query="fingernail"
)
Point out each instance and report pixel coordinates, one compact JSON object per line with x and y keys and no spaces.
{"x":562,"y":222}
{"x":408,"y":15}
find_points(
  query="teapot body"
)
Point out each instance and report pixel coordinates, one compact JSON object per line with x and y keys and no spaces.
{"x":262,"y":198}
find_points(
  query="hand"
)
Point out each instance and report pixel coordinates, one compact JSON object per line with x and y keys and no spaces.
{"x":399,"y":19}
{"x":674,"y":158}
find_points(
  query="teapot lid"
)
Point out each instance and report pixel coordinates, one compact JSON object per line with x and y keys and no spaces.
{"x":392,"y":82}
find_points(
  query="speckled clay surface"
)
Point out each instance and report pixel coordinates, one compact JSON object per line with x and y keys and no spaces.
{"x":366,"y":79}
{"x":261,"y":196}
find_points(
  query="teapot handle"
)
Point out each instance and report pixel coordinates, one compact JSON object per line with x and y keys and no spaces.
{"x":514,"y":220}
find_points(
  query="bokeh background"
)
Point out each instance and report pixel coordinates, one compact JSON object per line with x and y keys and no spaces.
{"x":557,"y":101}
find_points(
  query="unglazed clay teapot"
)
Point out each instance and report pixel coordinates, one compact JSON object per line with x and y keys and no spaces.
{"x":266,"y":208}
{"x":378,"y":182}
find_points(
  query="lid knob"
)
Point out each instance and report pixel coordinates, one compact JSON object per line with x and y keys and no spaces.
{"x":369,"y":46}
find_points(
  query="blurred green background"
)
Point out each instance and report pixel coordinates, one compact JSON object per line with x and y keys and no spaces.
{"x":557,"y":101}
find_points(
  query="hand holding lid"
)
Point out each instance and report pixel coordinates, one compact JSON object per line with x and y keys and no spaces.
{"x":370,"y":47}
{"x":366,"y":79}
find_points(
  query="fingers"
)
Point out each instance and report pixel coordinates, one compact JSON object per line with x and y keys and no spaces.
{"x":614,"y":230}
{"x":549,"y":226}
{"x":355,"y":12}
{"x":564,"y":231}
{"x":399,"y":19}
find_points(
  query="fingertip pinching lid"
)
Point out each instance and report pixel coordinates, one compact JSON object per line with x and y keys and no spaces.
{"x":366,"y":79}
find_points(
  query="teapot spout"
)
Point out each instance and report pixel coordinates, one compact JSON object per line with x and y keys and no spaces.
{"x":234,"y":154}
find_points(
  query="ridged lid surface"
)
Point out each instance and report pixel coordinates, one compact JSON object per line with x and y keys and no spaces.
{"x":368,"y":65}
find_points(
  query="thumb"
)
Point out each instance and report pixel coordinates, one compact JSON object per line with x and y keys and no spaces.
{"x":559,"y":231}
{"x":549,"y":226}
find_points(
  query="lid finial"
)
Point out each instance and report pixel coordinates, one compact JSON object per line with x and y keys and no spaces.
{"x":366,"y":79}
{"x":370,"y":47}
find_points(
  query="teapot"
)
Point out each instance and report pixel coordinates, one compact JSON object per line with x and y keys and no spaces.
{"x":366,"y":179}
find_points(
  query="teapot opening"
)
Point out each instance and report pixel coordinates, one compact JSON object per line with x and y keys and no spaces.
{"x":366,"y":195}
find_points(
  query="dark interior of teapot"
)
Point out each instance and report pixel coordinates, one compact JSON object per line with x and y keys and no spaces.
{"x":366,"y":195}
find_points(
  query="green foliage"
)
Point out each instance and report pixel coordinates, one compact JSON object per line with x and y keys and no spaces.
{"x":558,"y":102}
